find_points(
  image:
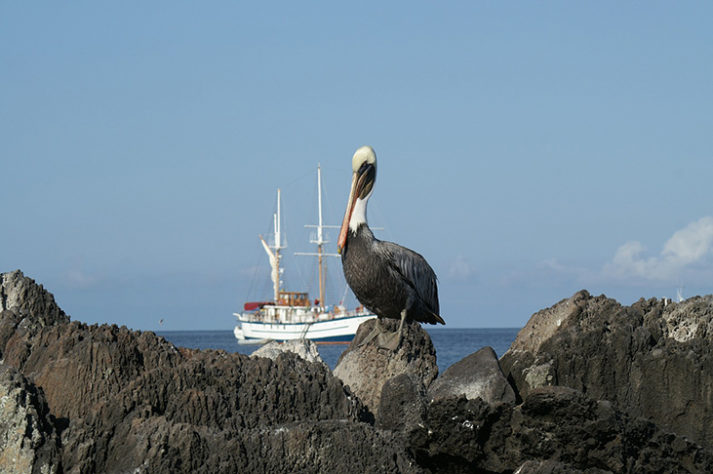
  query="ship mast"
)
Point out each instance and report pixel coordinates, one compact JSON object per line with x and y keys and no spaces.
{"x":273,"y":251}
{"x":320,"y":240}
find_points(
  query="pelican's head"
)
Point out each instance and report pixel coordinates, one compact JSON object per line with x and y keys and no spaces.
{"x":364,"y":167}
{"x":365,"y":154}
{"x":363,"y":178}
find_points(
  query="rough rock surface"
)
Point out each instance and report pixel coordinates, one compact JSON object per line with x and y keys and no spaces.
{"x":556,"y":429}
{"x":403,"y":403}
{"x":215,"y":399}
{"x":553,"y":467}
{"x":26,"y":298}
{"x":302,"y":347}
{"x":79,"y":365}
{"x":83,"y":399}
{"x":26,"y":306}
{"x":126,"y":401}
{"x":28,"y":440}
{"x":651,"y":359}
{"x":476,"y":376}
{"x":366,"y":368}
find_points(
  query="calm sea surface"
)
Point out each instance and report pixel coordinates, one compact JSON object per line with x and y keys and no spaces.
{"x":451,"y":344}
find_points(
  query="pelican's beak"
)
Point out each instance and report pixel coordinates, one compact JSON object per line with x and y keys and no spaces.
{"x":362,"y":184}
{"x":347,"y":215}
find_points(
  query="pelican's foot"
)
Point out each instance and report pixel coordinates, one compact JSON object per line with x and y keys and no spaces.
{"x":377,"y":331}
{"x":390,"y":340}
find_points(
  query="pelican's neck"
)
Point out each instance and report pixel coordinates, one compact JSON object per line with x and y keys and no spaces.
{"x":358,"y":214}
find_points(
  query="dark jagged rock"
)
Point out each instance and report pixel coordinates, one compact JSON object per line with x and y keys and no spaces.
{"x":130,"y":401}
{"x":25,"y":306}
{"x":403,"y":403}
{"x":231,"y":391}
{"x":366,"y":368}
{"x":651,"y":359}
{"x":476,"y":376}
{"x":84,"y":399}
{"x":329,"y":447}
{"x":79,"y":365}
{"x":28,"y":439}
{"x":555,"y":429}
{"x":456,"y":436}
{"x":213,"y":397}
{"x":155,"y":445}
{"x":27,"y":299}
{"x":553,"y":467}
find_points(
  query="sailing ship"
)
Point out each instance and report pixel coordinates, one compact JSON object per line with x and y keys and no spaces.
{"x":291,"y":314}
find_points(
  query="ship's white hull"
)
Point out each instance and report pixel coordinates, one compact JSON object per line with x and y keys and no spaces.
{"x":339,"y":329}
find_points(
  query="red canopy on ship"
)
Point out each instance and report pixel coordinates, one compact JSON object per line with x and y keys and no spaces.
{"x":253,"y":305}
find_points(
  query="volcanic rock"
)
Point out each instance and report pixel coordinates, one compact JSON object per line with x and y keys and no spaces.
{"x":28,"y":439}
{"x":24,"y":297}
{"x":556,"y":429}
{"x":25,"y":306}
{"x":127,"y":401}
{"x":79,"y":365}
{"x":403,"y":403}
{"x":304,"y":348}
{"x":83,"y":399}
{"x":209,"y":403}
{"x":366,"y":368}
{"x":652,"y":359}
{"x":553,"y":467}
{"x":477,"y":375}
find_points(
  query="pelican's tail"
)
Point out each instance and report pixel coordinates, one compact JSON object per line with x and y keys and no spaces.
{"x":436,"y":319}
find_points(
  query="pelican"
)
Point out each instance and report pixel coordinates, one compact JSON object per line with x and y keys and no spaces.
{"x":388,"y":279}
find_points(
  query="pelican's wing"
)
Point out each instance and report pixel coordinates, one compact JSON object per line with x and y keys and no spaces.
{"x":415,"y":271}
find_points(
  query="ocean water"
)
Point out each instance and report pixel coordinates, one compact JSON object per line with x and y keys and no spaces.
{"x":451,"y":344}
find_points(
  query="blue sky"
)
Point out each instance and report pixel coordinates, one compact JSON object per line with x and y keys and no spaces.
{"x":527,"y":150}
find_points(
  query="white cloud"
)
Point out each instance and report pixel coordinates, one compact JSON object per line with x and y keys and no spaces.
{"x":686,"y":248}
{"x":691,"y":243}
